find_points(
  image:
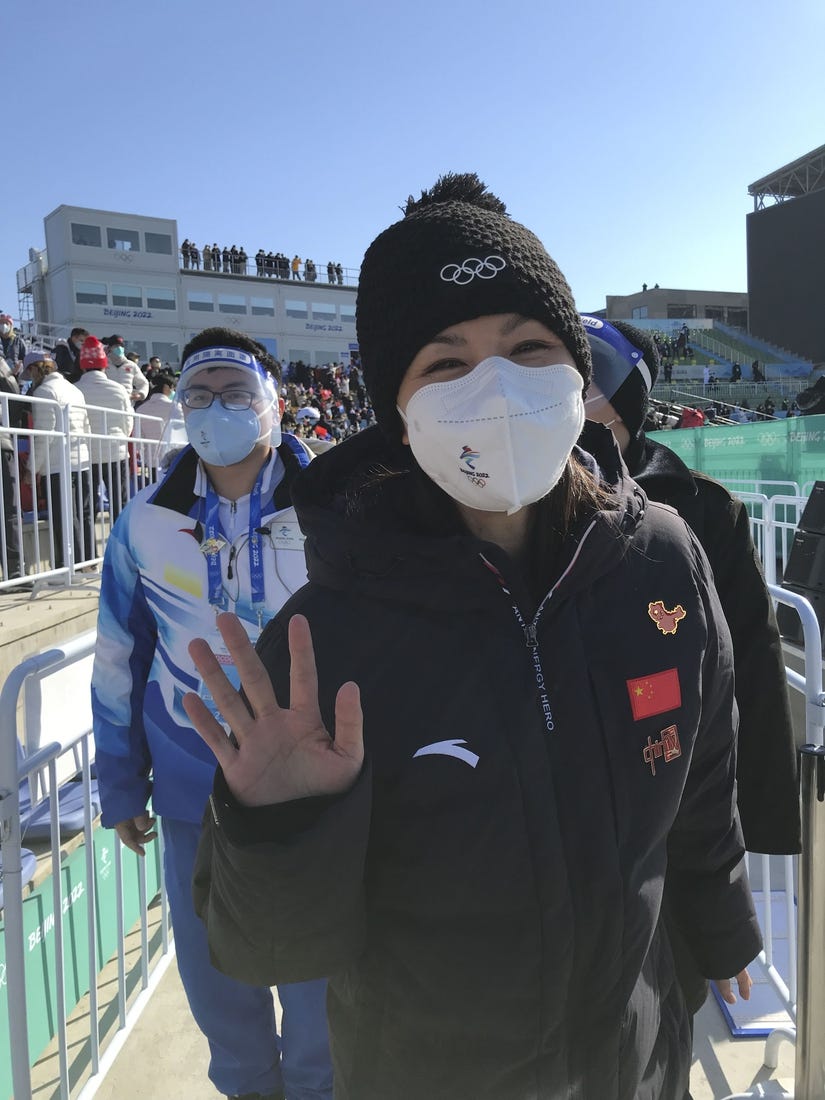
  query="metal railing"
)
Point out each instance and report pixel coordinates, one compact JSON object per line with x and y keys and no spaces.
{"x":774,"y":521}
{"x":269,"y":269}
{"x":804,"y":993}
{"x":32,"y":677}
{"x":86,"y":465}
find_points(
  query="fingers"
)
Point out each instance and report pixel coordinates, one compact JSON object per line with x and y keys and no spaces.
{"x":349,"y":723}
{"x":134,"y":835}
{"x":207,"y":725}
{"x":725,"y":991}
{"x":745,"y":984}
{"x":303,"y":677}
{"x":254,"y":678}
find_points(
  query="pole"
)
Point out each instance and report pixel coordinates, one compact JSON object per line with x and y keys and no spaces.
{"x":809,"y":1081}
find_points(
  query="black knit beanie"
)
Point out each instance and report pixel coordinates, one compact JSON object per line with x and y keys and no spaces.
{"x":630,"y":399}
{"x":455,"y":255}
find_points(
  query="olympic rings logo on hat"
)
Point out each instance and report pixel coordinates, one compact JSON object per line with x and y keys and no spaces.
{"x":473,"y":267}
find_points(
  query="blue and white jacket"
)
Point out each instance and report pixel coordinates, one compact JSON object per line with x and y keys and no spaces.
{"x":154,"y":600}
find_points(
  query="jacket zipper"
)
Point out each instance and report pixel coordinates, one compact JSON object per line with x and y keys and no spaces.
{"x":530,"y":630}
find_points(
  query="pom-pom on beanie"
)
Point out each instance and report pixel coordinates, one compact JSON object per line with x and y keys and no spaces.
{"x":93,"y":355}
{"x":455,"y":255}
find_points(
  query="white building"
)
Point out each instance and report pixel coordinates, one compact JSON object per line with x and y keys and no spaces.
{"x":120,"y":273}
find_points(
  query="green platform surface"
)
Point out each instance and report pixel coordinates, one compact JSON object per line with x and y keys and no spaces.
{"x":39,"y":928}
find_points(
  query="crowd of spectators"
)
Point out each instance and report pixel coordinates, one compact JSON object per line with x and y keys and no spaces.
{"x":268,"y":265}
{"x":663,"y":415}
{"x":324,"y":404}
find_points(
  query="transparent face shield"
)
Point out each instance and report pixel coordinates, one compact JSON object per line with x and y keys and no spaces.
{"x":222,"y":391}
{"x":614,"y":359}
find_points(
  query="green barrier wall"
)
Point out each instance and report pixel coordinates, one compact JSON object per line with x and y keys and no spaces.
{"x":39,"y":927}
{"x":776,"y":450}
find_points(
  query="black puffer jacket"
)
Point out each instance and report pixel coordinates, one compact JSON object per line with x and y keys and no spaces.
{"x":768,"y":791}
{"x":485,"y":899}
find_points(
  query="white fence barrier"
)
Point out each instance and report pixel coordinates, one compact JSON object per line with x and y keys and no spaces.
{"x":42,"y":686}
{"x":802,"y":991}
{"x":84,"y":479}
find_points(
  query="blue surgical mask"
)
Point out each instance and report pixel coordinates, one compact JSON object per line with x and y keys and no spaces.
{"x":222,"y":436}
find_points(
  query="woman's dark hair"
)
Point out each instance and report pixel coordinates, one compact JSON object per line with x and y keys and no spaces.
{"x":161,"y":380}
{"x":218,"y":337}
{"x":422,"y":505}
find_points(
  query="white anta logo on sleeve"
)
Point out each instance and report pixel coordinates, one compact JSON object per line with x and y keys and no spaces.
{"x":449,"y":748}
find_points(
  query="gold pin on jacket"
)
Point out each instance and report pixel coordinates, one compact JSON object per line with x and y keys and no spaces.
{"x":666,"y":621}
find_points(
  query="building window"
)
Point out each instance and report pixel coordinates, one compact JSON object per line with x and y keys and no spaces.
{"x":88,"y":235}
{"x":738,"y":317}
{"x":262,"y":307}
{"x":159,"y":297}
{"x":270,"y":345}
{"x":169,"y":354}
{"x":91,"y":294}
{"x":325,"y":358}
{"x":159,"y":243}
{"x":639,"y":312}
{"x":681,"y":312}
{"x":123,"y":240}
{"x":126,"y":295}
{"x":140,"y":347}
{"x":199,"y":300}
{"x":347,"y":315}
{"x":714,"y":313}
{"x":323,"y":312}
{"x":231,"y":303}
{"x":296,"y":309}
{"x":299,"y":355}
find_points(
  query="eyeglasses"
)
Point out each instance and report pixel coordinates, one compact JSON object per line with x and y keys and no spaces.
{"x":199,"y":397}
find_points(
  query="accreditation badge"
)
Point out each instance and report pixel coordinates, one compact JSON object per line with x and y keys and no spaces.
{"x":287,"y":535}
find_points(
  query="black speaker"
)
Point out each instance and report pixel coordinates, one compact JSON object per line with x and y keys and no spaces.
{"x":790,"y":625}
{"x":805,"y":571}
{"x":806,"y":562}
{"x":813,"y":518}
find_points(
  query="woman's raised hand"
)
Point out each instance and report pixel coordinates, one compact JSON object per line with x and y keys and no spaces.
{"x":281,"y":754}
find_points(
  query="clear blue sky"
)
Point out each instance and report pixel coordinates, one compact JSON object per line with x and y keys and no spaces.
{"x":624,"y":134}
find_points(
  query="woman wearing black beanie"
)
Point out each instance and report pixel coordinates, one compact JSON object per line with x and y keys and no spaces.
{"x":507,"y":706}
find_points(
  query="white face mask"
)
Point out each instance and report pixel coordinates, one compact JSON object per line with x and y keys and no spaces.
{"x":5,"y":329}
{"x":499,"y":437}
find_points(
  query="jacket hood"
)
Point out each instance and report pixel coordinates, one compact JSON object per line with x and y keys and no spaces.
{"x":657,"y":467}
{"x":366,"y":509}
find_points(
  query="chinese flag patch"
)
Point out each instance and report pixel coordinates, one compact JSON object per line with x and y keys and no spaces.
{"x":654,"y":694}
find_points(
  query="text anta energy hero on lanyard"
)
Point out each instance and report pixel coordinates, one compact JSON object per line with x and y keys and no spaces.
{"x":214,"y":542}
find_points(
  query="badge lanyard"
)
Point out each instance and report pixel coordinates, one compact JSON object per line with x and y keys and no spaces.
{"x":215,"y":541}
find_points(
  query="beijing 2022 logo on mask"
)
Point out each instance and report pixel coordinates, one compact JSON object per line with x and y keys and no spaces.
{"x":472,"y":268}
{"x":469,"y":457}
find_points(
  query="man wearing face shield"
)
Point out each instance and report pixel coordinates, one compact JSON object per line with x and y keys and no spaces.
{"x":218,"y":533}
{"x":625,"y":366}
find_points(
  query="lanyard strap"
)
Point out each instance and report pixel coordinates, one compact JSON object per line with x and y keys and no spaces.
{"x":216,"y":540}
